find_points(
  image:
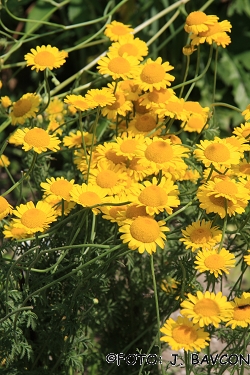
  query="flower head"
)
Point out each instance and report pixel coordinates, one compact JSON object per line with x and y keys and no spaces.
{"x":183,"y":334}
{"x":115,"y":30}
{"x":45,"y":57}
{"x":58,"y":188}
{"x":26,"y":107}
{"x":214,"y":262}
{"x":88,"y":195}
{"x":241,"y":312}
{"x":118,"y":66}
{"x":5,"y":208}
{"x":100,"y":97}
{"x":133,"y":47}
{"x":198,"y":21}
{"x":78,"y":102}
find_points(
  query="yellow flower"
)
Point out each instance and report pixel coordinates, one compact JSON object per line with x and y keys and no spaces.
{"x":4,"y":161}
{"x":198,"y":21}
{"x":183,"y":334}
{"x":45,"y":57}
{"x":121,"y":106}
{"x":241,"y":312}
{"x":106,"y":152}
{"x":215,"y":196}
{"x":36,"y":139}
{"x":133,"y":47}
{"x":173,"y":108}
{"x":58,"y":188}
{"x":60,"y":206}
{"x":16,"y":233}
{"x":153,"y":75}
{"x":243,"y":130}
{"x":78,"y":102}
{"x":25,"y":107}
{"x":201,"y":234}
{"x":242,"y":169}
{"x":217,"y":152}
{"x":215,"y":33}
{"x":118,"y":66}
{"x":115,"y":30}
{"x":131,"y":211}
{"x":102,"y":97}
{"x":127,"y":145}
{"x":33,"y":218}
{"x":75,"y":139}
{"x":137,"y":171}
{"x":143,"y":233}
{"x":246,"y":113}
{"x":111,"y":213}
{"x":214,"y":262}
{"x":88,"y":195}
{"x":157,"y":197}
{"x":5,"y":101}
{"x":144,"y":124}
{"x":55,"y":110}
{"x":5,"y":208}
{"x":154,"y":98}
{"x":207,"y":308}
{"x":247,"y":258}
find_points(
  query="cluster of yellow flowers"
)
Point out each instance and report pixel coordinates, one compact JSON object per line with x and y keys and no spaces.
{"x":135,"y":178}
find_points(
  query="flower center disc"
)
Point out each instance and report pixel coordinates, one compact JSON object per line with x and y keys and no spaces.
{"x":153,"y":196}
{"x":206,"y":307}
{"x":89,"y":198}
{"x":184,"y":334}
{"x":196,"y":18}
{"x":61,"y":188}
{"x":106,"y":179}
{"x":242,"y":314}
{"x":152,"y":73}
{"x":119,"y":30}
{"x":226,"y":187}
{"x":145,"y":123}
{"x":45,"y":58}
{"x":37,"y":137}
{"x":33,"y":218}
{"x":3,"y":204}
{"x":159,"y":152}
{"x":119,"y":65}
{"x":21,"y":107}
{"x":129,"y":48}
{"x":144,"y":229}
{"x":214,"y":261}
{"x":200,"y":235}
{"x":217,"y":152}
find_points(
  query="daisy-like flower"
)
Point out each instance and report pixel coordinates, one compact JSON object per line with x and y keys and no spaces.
{"x":143,"y":233}
{"x":110,"y":178}
{"x":75,"y":139}
{"x":118,"y":66}
{"x":247,"y":258}
{"x":54,"y":127}
{"x":215,"y":33}
{"x":105,"y":152}
{"x":154,"y":98}
{"x":216,"y":195}
{"x":5,"y":101}
{"x":240,"y":143}
{"x":58,"y":188}
{"x":127,"y":145}
{"x":217,"y":152}
{"x":130,"y":89}
{"x":5,"y":208}
{"x":157,"y":197}
{"x":195,"y":123}
{"x":100,"y":97}
{"x":55,"y":110}
{"x":214,"y":262}
{"x":143,"y":124}
{"x":173,"y":108}
{"x":36,"y":139}
{"x":131,"y":211}
{"x":115,"y":30}
{"x":207,"y":308}
{"x":153,"y":75}
{"x":26,"y":107}
{"x":183,"y":334}
{"x":111,"y":213}
{"x":201,"y":234}
{"x":242,"y":169}
{"x":78,"y":102}
{"x":160,"y":154}
{"x":4,"y":161}
{"x":133,"y":47}
{"x":137,"y":171}
{"x":45,"y":57}
{"x":121,"y":106}
{"x":246,"y":113}
{"x":33,"y":218}
{"x":241,"y":312}
{"x":60,"y":206}
{"x":243,"y":130}
{"x":88,"y":195}
{"x":16,"y":233}
{"x":198,"y":21}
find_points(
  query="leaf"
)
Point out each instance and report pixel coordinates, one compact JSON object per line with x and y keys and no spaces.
{"x":40,"y":11}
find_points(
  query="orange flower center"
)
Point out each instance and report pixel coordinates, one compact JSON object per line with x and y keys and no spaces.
{"x":153,"y":196}
{"x":61,"y":188}
{"x":206,"y":307}
{"x":33,"y":218}
{"x":159,"y":152}
{"x":89,"y":198}
{"x":119,"y":65}
{"x":135,"y":211}
{"x":3,"y":205}
{"x":159,"y":96}
{"x":214,"y":262}
{"x":128,"y":48}
{"x":217,"y":152}
{"x":45,"y":58}
{"x":226,"y":187}
{"x":184,"y":335}
{"x":119,"y":30}
{"x":242,"y":314}
{"x":152,"y":73}
{"x":37,"y":137}
{"x":107,"y":179}
{"x":196,"y":18}
{"x":200,"y":235}
{"x":145,"y":229}
{"x":21,"y":107}
{"x":145,"y":123}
